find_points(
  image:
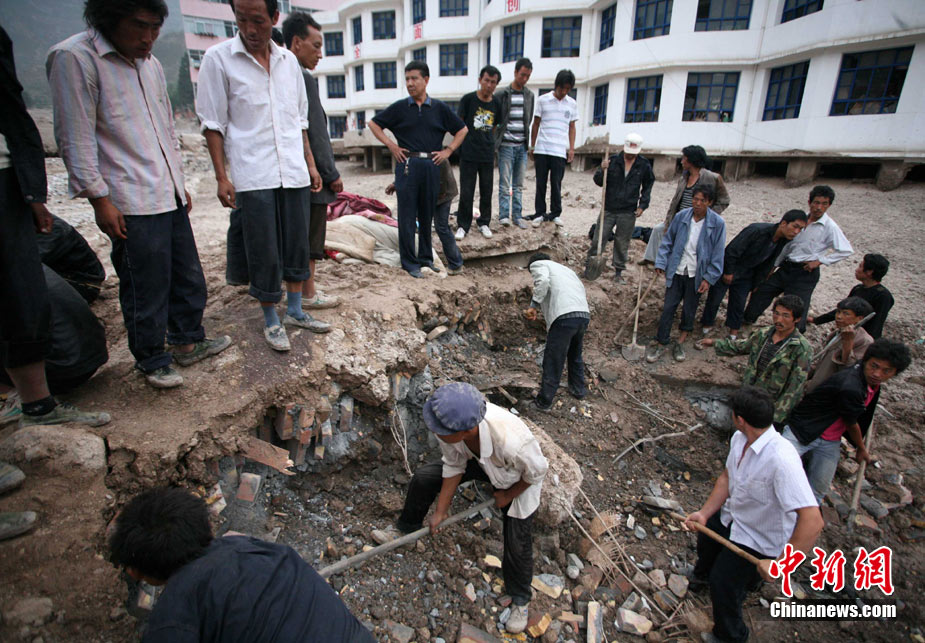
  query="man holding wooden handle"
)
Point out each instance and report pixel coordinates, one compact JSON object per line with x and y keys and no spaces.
{"x":761,"y":502}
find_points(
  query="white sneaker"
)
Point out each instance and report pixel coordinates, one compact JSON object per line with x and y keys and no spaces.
{"x":558,"y":221}
{"x":506,"y":222}
{"x":276,"y":337}
{"x":517,"y":621}
{"x":486,"y":231}
{"x":538,"y":222}
{"x":460,"y":234}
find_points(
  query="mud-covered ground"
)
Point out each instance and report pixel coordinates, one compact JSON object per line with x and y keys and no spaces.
{"x":330,"y":513}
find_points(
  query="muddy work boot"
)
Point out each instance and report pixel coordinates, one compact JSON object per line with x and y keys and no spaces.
{"x":10,"y":477}
{"x":276,"y":337}
{"x":517,"y":621}
{"x":320,"y":302}
{"x":654,"y":352}
{"x":64,"y":413}
{"x":202,"y":350}
{"x":309,"y":322}
{"x":164,"y":377}
{"x":14,"y":523}
{"x":677,"y":351}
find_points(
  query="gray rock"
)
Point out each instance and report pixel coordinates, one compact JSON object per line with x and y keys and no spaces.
{"x":639,"y":532}
{"x":572,"y":572}
{"x":662,"y":503}
{"x":29,"y":611}
{"x":59,"y":448}
{"x":575,"y":561}
{"x":873,"y":506}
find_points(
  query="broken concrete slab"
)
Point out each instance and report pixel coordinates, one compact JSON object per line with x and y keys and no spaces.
{"x":563,"y":479}
{"x":665,"y":600}
{"x":397,"y":632}
{"x":867,"y":523}
{"x":632,"y":603}
{"x":32,"y":611}
{"x":591,"y":577}
{"x":657,"y":577}
{"x":538,"y":623}
{"x":492,"y":561}
{"x":678,"y":585}
{"x":632,"y":622}
{"x":874,"y":507}
{"x":470,"y":634}
{"x":663,"y":503}
{"x":58,"y":449}
{"x":595,"y":623}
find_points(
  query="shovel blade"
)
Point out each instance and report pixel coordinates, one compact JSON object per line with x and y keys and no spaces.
{"x":633,"y":352}
{"x":594,"y":267}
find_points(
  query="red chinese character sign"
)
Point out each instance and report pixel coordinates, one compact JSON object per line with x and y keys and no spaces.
{"x":418,"y":30}
{"x":512,"y":6}
{"x":786,"y":565}
{"x":874,"y":570}
{"x":829,"y":571}
{"x":356,"y":51}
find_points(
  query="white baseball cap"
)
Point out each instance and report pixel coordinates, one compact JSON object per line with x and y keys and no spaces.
{"x":632,"y":144}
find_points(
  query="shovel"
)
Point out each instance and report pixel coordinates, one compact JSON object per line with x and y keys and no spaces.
{"x":595,"y":264}
{"x":616,"y":338}
{"x":633,"y":352}
{"x":856,"y":495}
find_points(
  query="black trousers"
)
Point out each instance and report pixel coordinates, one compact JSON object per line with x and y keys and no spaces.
{"x":416,"y":184}
{"x":730,"y":578}
{"x":681,"y":289}
{"x":738,"y":294}
{"x":161,"y":287}
{"x":551,"y":169}
{"x":789,"y":279}
{"x":24,"y":307}
{"x":564,"y":341}
{"x":468,"y":172}
{"x":517,"y":563}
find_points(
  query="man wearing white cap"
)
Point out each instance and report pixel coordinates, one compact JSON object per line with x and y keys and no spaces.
{"x":629,"y":187}
{"x":481,"y":441}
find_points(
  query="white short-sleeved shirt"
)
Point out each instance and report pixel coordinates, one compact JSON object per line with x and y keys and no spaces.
{"x":766,"y":487}
{"x":555,"y":117}
{"x":821,"y":241}
{"x":508,"y":452}
{"x":260,"y":115}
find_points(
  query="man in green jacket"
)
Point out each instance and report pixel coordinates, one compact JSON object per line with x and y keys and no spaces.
{"x":778,"y":356}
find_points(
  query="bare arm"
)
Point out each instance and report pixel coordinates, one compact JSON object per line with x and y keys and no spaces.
{"x":310,"y":161}
{"x":398,"y":153}
{"x":570,"y":155}
{"x":534,"y":131}
{"x":503,"y":497}
{"x":216,"y":144}
{"x":447,"y":489}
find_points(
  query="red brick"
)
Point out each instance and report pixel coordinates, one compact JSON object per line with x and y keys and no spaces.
{"x":250,"y":484}
{"x":287,"y":418}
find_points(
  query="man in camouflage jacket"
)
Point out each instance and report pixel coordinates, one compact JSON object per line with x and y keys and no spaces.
{"x":778,"y":356}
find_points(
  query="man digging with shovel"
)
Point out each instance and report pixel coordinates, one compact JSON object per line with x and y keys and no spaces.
{"x":481,"y":441}
{"x":762,"y":501}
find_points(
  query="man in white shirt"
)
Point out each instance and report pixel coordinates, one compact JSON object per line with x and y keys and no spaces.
{"x":761,"y":502}
{"x":553,"y":127}
{"x":481,"y":441}
{"x":821,"y":243}
{"x":253,"y":107}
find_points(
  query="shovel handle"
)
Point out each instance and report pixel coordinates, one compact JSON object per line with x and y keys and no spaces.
{"x":856,"y":494}
{"x":616,"y":338}
{"x":600,"y":218}
{"x":715,"y":536}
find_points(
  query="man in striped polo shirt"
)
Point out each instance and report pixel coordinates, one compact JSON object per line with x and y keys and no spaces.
{"x":511,"y":143}
{"x":553,"y":145}
{"x":114,"y":127}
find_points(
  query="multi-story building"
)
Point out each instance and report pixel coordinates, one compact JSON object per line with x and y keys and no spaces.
{"x":756,"y":82}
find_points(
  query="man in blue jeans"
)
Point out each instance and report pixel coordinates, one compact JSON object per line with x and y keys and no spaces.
{"x":560,"y":295}
{"x":511,"y":143}
{"x":844,"y":404}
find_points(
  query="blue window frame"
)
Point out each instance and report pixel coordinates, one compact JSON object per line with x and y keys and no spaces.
{"x":383,"y":25}
{"x":454,"y":59}
{"x":870,"y":82}
{"x":561,"y":37}
{"x":419,"y":54}
{"x":488,"y":50}
{"x":653,"y":18}
{"x":357,"y":30}
{"x":513,"y":42}
{"x":794,"y":9}
{"x":361,"y":120}
{"x":601,"y":93}
{"x":334,"y":43}
{"x":337,"y":125}
{"x":384,"y":75}
{"x":710,"y":96}
{"x":418,"y":11}
{"x":336,"y":86}
{"x":608,"y":17}
{"x":450,"y":8}
{"x":643,"y":98}
{"x":723,"y":15}
{"x":785,"y":91}
{"x":359,"y":82}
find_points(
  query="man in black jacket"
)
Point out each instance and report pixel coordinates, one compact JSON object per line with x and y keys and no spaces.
{"x":843,"y":404}
{"x":870,"y":272}
{"x":302,"y":35}
{"x":629,"y":188}
{"x":748,"y":260}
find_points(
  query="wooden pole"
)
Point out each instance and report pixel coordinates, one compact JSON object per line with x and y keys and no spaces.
{"x":353,"y":561}
{"x":715,"y":536}
{"x":856,"y":495}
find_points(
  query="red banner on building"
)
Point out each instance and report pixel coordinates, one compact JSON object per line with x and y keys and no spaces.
{"x":512,"y":6}
{"x":418,"y":30}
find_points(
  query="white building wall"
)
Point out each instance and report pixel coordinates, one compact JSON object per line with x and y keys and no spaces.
{"x":823,"y":37}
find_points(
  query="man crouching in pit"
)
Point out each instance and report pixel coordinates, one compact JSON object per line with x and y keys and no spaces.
{"x":481,"y":441}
